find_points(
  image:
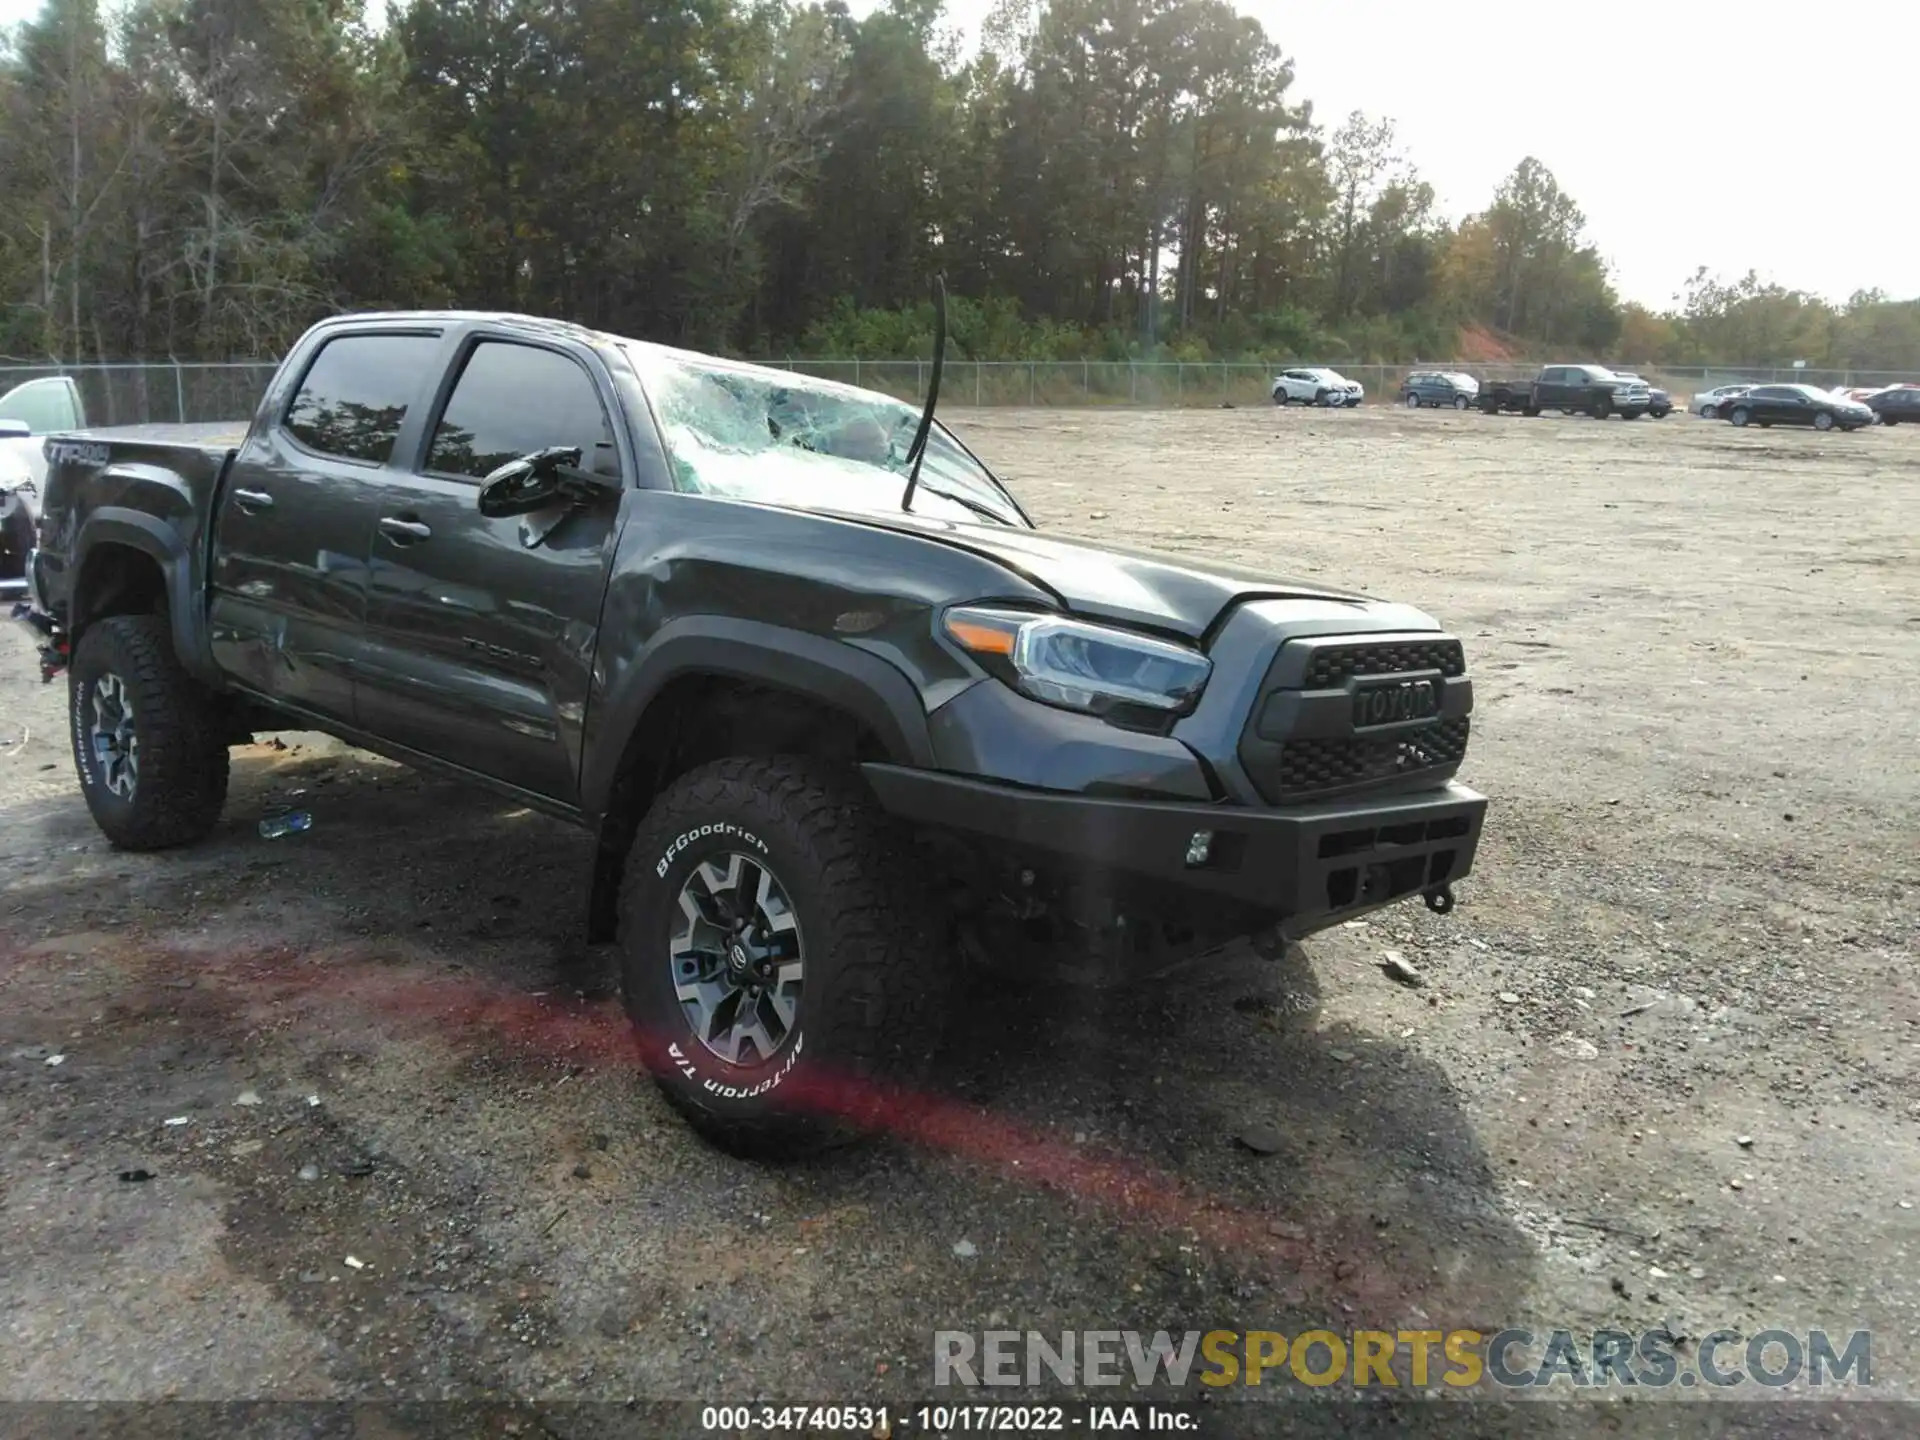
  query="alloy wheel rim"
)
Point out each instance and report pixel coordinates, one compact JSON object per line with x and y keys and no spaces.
{"x":738,"y":959}
{"x":111,"y":736}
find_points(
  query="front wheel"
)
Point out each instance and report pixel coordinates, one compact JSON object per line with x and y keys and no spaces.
{"x":1823,"y":421}
{"x":1601,"y":409}
{"x":1412,"y":402}
{"x":1320,"y":397}
{"x":781,"y":961}
{"x":1461,"y":402}
{"x":147,"y":738}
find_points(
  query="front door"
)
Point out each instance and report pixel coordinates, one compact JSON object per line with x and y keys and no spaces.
{"x":479,"y":647}
{"x":289,"y":547}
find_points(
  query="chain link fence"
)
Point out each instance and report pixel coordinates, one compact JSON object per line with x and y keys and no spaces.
{"x":156,"y":392}
{"x":214,"y":391}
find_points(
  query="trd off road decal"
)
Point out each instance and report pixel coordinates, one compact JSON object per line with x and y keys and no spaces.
{"x":75,"y":452}
{"x":736,"y":1092}
{"x":701,"y":833}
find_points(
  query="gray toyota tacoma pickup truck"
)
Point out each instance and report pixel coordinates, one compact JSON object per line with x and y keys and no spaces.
{"x":838,"y":714}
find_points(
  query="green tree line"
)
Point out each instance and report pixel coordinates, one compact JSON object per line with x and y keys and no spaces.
{"x":1102,"y":179}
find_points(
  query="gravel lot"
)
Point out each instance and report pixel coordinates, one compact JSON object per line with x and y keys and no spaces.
{"x":1697,"y":661}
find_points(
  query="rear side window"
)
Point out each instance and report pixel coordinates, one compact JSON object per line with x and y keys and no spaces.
{"x":511,"y":400}
{"x":356,"y":392}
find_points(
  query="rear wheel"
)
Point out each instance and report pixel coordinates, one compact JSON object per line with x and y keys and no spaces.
{"x":1741,"y":415}
{"x":147,"y":737}
{"x":781,"y":961}
{"x":1280,"y":397}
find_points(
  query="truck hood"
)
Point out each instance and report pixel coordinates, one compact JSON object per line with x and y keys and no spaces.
{"x":1131,"y":587}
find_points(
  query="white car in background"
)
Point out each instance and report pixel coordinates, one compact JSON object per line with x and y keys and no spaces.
{"x":28,"y":414}
{"x":1706,"y":404}
{"x":1315,"y":385}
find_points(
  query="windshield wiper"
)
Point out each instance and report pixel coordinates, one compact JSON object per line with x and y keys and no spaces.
{"x":917,"y":451}
{"x":978,"y":507}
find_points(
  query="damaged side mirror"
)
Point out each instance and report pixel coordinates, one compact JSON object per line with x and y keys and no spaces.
{"x":545,"y":478}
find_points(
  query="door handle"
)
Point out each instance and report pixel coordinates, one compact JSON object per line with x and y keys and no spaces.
{"x":403,"y":531}
{"x":253,"y":499}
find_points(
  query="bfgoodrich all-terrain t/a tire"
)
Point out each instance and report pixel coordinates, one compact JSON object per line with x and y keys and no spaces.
{"x":147,"y":739}
{"x":783,"y":967}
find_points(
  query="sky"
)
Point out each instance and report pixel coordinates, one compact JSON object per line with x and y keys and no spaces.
{"x":1692,"y":134}
{"x":1695,"y":132}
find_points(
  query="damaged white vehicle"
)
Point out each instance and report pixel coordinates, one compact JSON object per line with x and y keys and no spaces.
{"x":28,"y":414}
{"x":1316,"y":385}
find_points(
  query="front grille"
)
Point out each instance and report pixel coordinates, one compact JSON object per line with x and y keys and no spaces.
{"x":1336,"y":664}
{"x":1309,"y":766}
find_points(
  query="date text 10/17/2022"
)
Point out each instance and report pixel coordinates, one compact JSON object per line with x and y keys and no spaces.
{"x":883,"y":1421}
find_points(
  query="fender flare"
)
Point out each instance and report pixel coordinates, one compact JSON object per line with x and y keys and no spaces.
{"x":833,"y":672}
{"x":164,"y":545}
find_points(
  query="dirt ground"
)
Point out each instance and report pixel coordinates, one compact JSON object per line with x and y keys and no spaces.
{"x":1664,"y":1067}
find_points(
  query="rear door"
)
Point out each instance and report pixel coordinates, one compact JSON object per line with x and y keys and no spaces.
{"x":289,"y":567}
{"x":479,"y":646}
{"x":1550,"y":391}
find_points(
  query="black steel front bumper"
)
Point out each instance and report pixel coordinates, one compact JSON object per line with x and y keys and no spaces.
{"x":1307,"y":865}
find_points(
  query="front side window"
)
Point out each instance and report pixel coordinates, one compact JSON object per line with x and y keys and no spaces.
{"x":512,"y":400}
{"x":790,"y":439}
{"x":356,"y":393}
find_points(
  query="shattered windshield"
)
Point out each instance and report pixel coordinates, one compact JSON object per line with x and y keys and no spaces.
{"x":790,"y":439}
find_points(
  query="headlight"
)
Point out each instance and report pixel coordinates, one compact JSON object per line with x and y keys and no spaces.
{"x":1094,"y":668}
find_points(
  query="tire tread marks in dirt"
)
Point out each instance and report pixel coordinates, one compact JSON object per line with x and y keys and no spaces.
{"x":182,"y":781}
{"x":879,"y":968}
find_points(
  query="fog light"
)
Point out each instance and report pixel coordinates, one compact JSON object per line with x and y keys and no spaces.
{"x":1199,"y":847}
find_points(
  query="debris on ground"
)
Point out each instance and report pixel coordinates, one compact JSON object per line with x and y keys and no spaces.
{"x":354,"y":1262}
{"x":1398,"y":967}
{"x":247,"y":1097}
{"x":1261,"y":1138}
{"x":136,"y":1176}
{"x":965,"y":1249}
{"x":177,"y":1120}
{"x":292,"y":823}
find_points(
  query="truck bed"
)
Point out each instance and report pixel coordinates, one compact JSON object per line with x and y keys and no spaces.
{"x":215,"y":438}
{"x":127,"y":475}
